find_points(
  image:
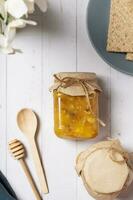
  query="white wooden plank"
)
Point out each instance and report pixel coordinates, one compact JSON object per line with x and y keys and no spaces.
{"x":24,"y":89}
{"x":3,"y":145}
{"x":122,"y":107}
{"x":122,"y":112}
{"x":89,"y":61}
{"x":59,"y":55}
{"x":28,"y":77}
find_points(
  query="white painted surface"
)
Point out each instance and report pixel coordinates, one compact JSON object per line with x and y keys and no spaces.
{"x":58,"y":43}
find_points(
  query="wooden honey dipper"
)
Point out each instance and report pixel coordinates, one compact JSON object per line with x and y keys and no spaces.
{"x":18,"y":151}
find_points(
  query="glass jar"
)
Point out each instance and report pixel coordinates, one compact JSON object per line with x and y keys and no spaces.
{"x":75,"y":112}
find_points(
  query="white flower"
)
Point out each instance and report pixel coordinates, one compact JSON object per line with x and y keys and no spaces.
{"x":2,"y":9}
{"x":19,"y":23}
{"x":12,"y":16}
{"x":5,"y":46}
{"x":42,"y":4}
{"x":16,"y":8}
{"x":9,"y":34}
{"x":30,"y":5}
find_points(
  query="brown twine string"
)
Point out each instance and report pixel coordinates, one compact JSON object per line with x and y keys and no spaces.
{"x":69,"y":81}
{"x":87,"y":86}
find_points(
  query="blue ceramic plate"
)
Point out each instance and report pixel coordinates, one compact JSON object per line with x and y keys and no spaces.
{"x":97,"y":25}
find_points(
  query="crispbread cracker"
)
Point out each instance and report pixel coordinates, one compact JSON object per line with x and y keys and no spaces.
{"x":120,"y":33}
{"x":129,"y":56}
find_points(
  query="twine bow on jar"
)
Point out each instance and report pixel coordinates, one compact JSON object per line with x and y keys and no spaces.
{"x":89,"y":86}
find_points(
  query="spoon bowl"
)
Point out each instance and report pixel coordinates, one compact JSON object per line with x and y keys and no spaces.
{"x":27,"y":122}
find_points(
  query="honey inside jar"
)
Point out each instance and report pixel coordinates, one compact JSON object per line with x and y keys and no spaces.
{"x":76,"y":109}
{"x":72,"y":119}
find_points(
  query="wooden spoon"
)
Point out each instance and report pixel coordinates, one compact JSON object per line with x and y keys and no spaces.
{"x":27,"y":122}
{"x":18,"y":152}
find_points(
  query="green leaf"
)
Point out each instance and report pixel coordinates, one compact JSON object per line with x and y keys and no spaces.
{"x":1,"y":16}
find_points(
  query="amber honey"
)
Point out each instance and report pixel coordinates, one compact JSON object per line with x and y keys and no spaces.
{"x":73,"y":119}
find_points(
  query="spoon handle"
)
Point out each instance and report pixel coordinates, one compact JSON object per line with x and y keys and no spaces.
{"x":30,"y":179}
{"x":38,"y":166}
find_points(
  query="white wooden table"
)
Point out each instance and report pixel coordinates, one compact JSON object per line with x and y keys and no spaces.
{"x":59,"y":43}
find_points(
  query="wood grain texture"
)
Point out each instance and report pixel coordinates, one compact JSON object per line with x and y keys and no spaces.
{"x":3,"y":111}
{"x":59,"y":43}
{"x":88,"y":60}
{"x":24,"y":89}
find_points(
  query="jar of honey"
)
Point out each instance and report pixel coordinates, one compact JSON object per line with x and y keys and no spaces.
{"x":76,"y":110}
